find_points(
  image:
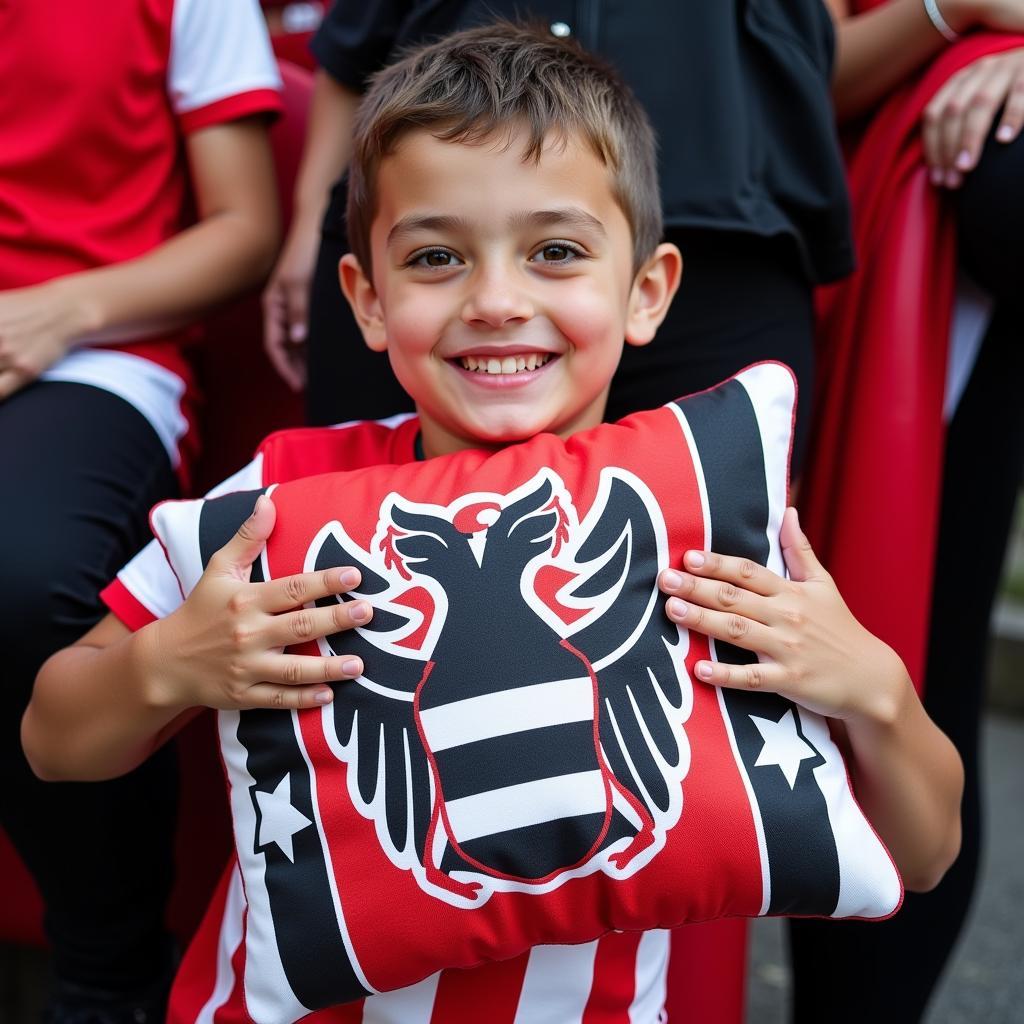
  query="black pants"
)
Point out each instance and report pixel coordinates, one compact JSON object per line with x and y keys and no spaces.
{"x":80,"y":469}
{"x":742,"y":299}
{"x":886,"y":972}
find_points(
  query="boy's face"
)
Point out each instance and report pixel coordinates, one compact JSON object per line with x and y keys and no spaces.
{"x":503,"y":289}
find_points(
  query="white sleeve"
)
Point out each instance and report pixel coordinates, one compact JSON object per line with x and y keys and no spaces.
{"x":220,"y":50}
{"x":148,"y":577}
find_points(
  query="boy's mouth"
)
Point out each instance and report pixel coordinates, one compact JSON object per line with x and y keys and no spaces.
{"x":505,"y":365}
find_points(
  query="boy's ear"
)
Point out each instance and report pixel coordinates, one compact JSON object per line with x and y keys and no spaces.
{"x":362,"y":297}
{"x":653,"y":289}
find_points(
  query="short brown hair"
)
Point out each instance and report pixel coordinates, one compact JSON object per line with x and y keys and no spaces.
{"x":470,"y":85}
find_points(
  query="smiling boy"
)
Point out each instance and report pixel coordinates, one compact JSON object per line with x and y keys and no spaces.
{"x":504,"y":218}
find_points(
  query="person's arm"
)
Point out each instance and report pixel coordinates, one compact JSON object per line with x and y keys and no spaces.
{"x":906,"y":773}
{"x":102,"y":706}
{"x":877,"y":50}
{"x":325,"y":155}
{"x":228,"y":249}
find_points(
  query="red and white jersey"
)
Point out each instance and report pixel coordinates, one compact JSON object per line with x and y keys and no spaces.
{"x":95,"y":103}
{"x":617,"y":979}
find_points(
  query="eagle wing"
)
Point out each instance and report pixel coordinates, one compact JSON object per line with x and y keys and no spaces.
{"x":636,"y":652}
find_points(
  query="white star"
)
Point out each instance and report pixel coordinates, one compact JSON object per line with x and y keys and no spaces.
{"x":782,"y":745}
{"x":279,"y":820}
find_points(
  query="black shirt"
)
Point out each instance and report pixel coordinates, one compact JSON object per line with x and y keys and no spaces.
{"x":737,"y":91}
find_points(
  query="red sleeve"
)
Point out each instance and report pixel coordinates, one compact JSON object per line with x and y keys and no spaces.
{"x":126,"y":606}
{"x":231,"y":108}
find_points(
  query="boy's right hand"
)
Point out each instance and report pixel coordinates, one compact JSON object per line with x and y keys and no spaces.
{"x":223,"y":647}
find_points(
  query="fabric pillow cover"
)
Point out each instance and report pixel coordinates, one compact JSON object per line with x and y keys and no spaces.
{"x":527,"y":758}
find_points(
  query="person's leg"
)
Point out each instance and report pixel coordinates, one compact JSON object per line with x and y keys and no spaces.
{"x":742,"y":299}
{"x":346,"y":380}
{"x":984,"y":456}
{"x":80,"y":470}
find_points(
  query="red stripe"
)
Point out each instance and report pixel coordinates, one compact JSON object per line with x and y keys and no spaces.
{"x":197,"y":974}
{"x":489,"y":992}
{"x":126,"y":606}
{"x":614,"y":979}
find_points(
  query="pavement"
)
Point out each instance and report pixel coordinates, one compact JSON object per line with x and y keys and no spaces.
{"x":984,"y":983}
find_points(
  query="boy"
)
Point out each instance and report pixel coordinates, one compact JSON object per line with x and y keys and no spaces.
{"x":504,"y":219}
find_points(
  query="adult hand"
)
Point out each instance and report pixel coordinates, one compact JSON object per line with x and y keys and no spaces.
{"x":961,"y":114}
{"x":820,"y":655}
{"x":37,"y":328}
{"x":223,"y":648}
{"x":286,"y":304}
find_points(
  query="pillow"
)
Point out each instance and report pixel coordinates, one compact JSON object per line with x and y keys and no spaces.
{"x":528,"y":758}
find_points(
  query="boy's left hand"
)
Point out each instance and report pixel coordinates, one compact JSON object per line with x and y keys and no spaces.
{"x":816,"y":653}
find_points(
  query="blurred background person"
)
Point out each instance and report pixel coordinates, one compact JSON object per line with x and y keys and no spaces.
{"x":918,"y":439}
{"x":137,"y":190}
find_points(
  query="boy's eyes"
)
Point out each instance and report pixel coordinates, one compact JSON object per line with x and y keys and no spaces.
{"x":433,"y":259}
{"x":437,"y":258}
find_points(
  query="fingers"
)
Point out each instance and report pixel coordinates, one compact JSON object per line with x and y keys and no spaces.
{"x":1012,"y":121}
{"x":757,"y":676}
{"x":741,"y":572}
{"x":237,"y":556}
{"x":297,"y":698}
{"x":296,"y":670}
{"x":307,"y":624}
{"x":959,"y":117}
{"x":728,"y":626}
{"x":290,"y":592}
{"x":713,"y":593}
{"x":285,"y":320}
{"x":799,"y":556}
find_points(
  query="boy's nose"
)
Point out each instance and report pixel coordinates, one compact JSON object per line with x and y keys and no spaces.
{"x":495,"y":302}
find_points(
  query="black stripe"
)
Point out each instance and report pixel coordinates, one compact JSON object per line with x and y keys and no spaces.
{"x":802,"y":858}
{"x":301,"y":905}
{"x":300,"y":897}
{"x":537,"y":850}
{"x":220,"y":518}
{"x":519,"y":757}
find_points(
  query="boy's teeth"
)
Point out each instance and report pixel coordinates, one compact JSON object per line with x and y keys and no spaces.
{"x":506,"y":365}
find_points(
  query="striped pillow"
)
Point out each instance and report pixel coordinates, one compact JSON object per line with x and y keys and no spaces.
{"x":527,"y":758}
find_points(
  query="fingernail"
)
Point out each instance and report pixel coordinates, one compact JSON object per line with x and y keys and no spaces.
{"x":260,"y":502}
{"x":349,"y":578}
{"x":351,"y":667}
{"x":297,"y":332}
{"x":694,"y":559}
{"x":952,"y":179}
{"x":360,"y":611}
{"x":1005,"y":133}
{"x":677,"y":608}
{"x":671,"y":579}
{"x":963,"y":161}
{"x":936,"y":175}
{"x":323,"y":696}
{"x":703,"y":670}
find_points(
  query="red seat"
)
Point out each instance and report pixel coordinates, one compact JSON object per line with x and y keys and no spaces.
{"x":233,"y":371}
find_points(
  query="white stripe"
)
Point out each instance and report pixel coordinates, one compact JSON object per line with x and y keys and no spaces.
{"x":529,"y":803}
{"x":651,"y":978}
{"x":229,"y":938}
{"x":869,"y":885}
{"x":508,"y":711}
{"x":268,"y":996}
{"x":412,"y":1005}
{"x":152,"y":389}
{"x":773,"y":394}
{"x":557,"y":984}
